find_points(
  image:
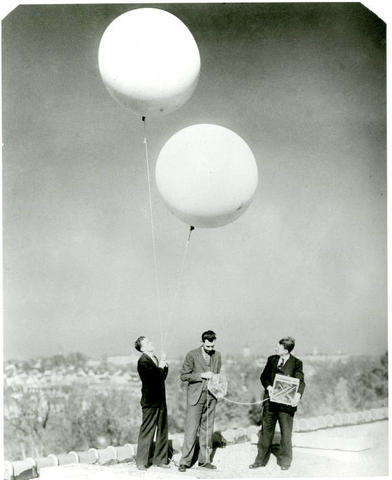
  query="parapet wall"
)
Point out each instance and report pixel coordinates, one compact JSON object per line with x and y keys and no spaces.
{"x":29,"y":468}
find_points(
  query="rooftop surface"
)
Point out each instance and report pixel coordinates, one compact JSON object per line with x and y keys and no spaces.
{"x":360,"y":450}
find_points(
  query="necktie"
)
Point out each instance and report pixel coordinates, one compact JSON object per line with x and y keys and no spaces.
{"x":281,"y":362}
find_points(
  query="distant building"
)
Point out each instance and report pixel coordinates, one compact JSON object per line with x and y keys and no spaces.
{"x":323,"y":357}
{"x":92,"y":363}
{"x":246,"y":351}
{"x":260,"y":362}
{"x":123,"y":359}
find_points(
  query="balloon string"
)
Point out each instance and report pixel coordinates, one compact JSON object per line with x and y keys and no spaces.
{"x":245,"y":403}
{"x":154,"y":250}
{"x":208,"y":460}
{"x":179,"y":281}
{"x":282,"y":392}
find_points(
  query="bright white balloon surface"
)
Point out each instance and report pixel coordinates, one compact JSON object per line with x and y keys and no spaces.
{"x":207,"y":175}
{"x":149,"y":61}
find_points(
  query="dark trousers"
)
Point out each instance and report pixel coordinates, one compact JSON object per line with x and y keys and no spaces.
{"x":153,"y":419}
{"x":199,"y":417}
{"x":269,"y":419}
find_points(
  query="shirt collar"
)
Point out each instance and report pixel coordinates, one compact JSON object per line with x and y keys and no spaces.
{"x":285,"y":359}
{"x":153,"y":357}
{"x":205,"y":355}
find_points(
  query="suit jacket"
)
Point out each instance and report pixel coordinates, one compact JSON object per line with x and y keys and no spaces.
{"x":292,"y":368}
{"x":194,"y":365}
{"x":153,"y":382}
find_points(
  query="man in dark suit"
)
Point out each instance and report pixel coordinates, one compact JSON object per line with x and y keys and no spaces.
{"x":153,"y":374}
{"x":198,"y":367}
{"x":285,"y":364}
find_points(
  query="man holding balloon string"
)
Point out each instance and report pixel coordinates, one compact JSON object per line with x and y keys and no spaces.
{"x":153,"y":373}
{"x":199,"y":366}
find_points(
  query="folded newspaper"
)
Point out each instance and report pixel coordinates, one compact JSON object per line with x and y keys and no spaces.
{"x":284,"y":389}
{"x":217,"y":385}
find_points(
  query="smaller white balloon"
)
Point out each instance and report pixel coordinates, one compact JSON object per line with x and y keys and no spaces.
{"x":207,"y":175}
{"x":149,"y":61}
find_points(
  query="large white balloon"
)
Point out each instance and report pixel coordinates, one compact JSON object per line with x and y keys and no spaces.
{"x":149,"y":61}
{"x":207,"y":175}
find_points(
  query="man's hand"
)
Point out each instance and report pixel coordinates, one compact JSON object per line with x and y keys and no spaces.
{"x":206,"y":375}
{"x":162,"y":363}
{"x":296,"y":399}
{"x":270,"y":389}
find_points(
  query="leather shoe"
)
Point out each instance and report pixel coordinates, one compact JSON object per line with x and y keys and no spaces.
{"x":182,"y":468}
{"x":284,"y":468}
{"x":256,"y":465}
{"x":210,"y":466}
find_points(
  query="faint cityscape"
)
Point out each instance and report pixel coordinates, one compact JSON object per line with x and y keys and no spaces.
{"x":72,"y":402}
{"x":51,"y":373}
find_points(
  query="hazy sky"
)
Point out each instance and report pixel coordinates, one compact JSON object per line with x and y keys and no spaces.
{"x":302,"y":84}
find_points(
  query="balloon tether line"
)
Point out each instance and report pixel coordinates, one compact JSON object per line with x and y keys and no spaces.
{"x":154,"y":250}
{"x":179,"y":282}
{"x":282,"y":392}
{"x":259,"y":402}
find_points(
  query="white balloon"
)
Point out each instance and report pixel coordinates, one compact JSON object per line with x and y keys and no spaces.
{"x":207,"y":175}
{"x":149,"y":61}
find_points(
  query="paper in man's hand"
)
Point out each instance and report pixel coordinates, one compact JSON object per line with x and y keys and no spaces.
{"x":284,"y":389}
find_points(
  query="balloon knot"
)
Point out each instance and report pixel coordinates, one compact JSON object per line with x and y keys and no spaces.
{"x":143,"y":119}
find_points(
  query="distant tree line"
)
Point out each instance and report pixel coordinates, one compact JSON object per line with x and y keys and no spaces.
{"x":37,"y":424}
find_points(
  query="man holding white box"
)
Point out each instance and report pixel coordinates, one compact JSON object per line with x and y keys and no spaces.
{"x":283,"y":381}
